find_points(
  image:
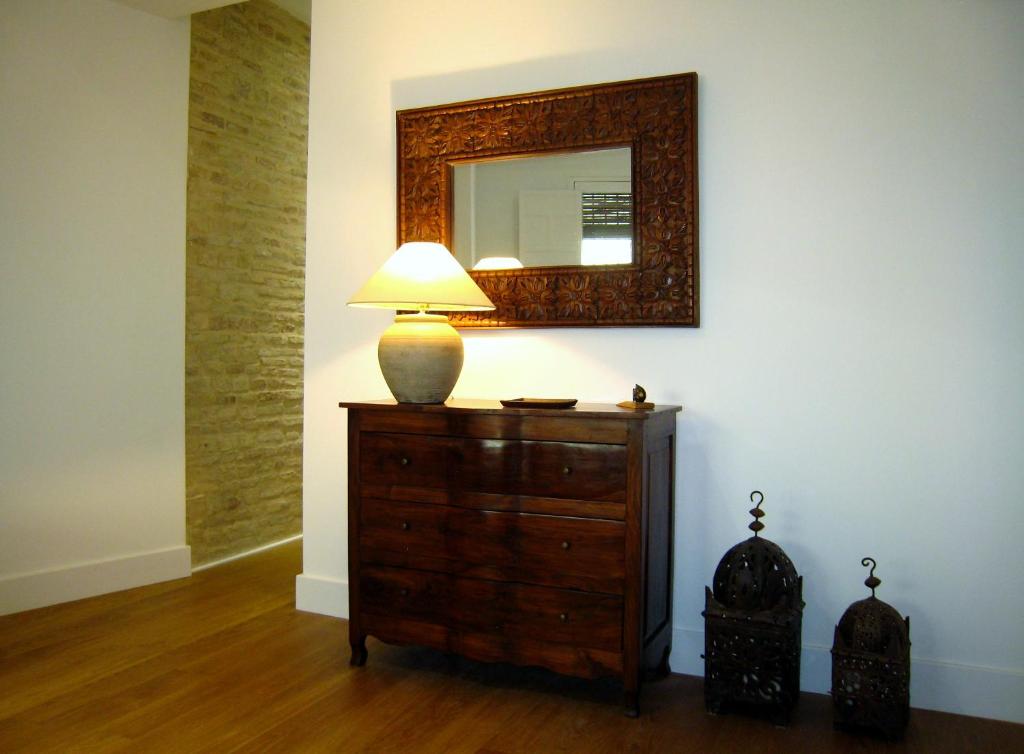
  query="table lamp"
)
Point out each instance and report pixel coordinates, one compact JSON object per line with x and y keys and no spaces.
{"x":421,"y":354}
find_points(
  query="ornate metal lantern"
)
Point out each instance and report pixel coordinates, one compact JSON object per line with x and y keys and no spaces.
{"x":871,"y":665}
{"x":752,"y":621}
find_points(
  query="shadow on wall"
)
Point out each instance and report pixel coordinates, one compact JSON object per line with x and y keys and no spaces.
{"x":536,"y":74}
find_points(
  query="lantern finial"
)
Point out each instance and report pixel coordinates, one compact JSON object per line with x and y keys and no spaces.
{"x":871,"y":581}
{"x":756,"y":525}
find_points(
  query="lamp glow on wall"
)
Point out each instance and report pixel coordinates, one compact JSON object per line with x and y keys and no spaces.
{"x":421,"y":354}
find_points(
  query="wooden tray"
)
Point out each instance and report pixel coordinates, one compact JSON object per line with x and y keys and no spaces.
{"x":539,"y":402}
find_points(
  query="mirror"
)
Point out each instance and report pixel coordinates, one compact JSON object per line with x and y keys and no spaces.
{"x":650,"y":124}
{"x":572,"y":208}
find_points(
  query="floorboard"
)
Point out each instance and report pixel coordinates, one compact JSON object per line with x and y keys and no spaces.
{"x":222,"y":662}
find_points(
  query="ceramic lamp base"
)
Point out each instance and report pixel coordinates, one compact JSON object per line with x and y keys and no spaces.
{"x":420,"y":356}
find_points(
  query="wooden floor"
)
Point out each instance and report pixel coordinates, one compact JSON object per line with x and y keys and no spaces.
{"x":223,"y":662}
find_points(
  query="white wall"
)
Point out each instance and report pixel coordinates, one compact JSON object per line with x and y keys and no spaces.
{"x":92,"y":289}
{"x":859,"y":359}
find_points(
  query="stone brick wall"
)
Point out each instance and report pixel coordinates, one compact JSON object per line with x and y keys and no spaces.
{"x":246,"y":218}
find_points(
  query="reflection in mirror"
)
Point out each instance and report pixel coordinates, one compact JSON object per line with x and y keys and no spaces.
{"x":498,"y":263}
{"x":572,"y":208}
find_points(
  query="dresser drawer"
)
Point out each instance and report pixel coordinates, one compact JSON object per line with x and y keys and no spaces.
{"x":582,"y":471}
{"x":549,"y":550}
{"x":561,"y":616}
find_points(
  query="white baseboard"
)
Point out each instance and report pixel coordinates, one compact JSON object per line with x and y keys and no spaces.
{"x":50,"y":587}
{"x":945,"y":686}
{"x":318,"y":594}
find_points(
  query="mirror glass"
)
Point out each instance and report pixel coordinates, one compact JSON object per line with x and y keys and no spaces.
{"x":573,"y":208}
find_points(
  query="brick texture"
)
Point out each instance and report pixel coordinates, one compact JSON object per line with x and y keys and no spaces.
{"x":245,"y":257}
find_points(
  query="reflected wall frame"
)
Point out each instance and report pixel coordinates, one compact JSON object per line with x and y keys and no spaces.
{"x":656,"y":117}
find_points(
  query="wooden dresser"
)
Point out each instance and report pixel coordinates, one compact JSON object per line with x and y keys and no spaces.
{"x":529,"y":536}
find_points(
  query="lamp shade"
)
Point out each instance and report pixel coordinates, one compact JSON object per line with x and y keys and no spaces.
{"x":423,"y":276}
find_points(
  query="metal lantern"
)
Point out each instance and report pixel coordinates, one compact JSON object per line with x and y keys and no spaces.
{"x":871,"y":665}
{"x":752,"y":621}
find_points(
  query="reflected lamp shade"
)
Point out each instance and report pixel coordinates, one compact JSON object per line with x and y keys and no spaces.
{"x":421,"y":354}
{"x":498,"y":263}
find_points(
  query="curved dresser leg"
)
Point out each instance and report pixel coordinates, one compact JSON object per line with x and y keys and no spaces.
{"x":631,"y":703}
{"x":664,"y":669}
{"x":358,"y":645}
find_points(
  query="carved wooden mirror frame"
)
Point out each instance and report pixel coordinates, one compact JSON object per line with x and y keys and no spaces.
{"x":656,"y":117}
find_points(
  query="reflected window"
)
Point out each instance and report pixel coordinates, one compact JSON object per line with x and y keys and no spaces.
{"x":607,"y":228}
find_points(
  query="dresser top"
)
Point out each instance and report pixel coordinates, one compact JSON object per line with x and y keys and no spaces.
{"x":477,"y":406}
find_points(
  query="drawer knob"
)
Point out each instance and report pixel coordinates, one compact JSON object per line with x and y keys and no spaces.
{"x":564,"y":617}
{"x":566,"y":545}
{"x":405,"y":526}
{"x":404,"y":461}
{"x":567,"y":470}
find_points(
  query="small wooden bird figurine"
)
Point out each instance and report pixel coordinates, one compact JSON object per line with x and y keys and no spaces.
{"x":639,"y":400}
